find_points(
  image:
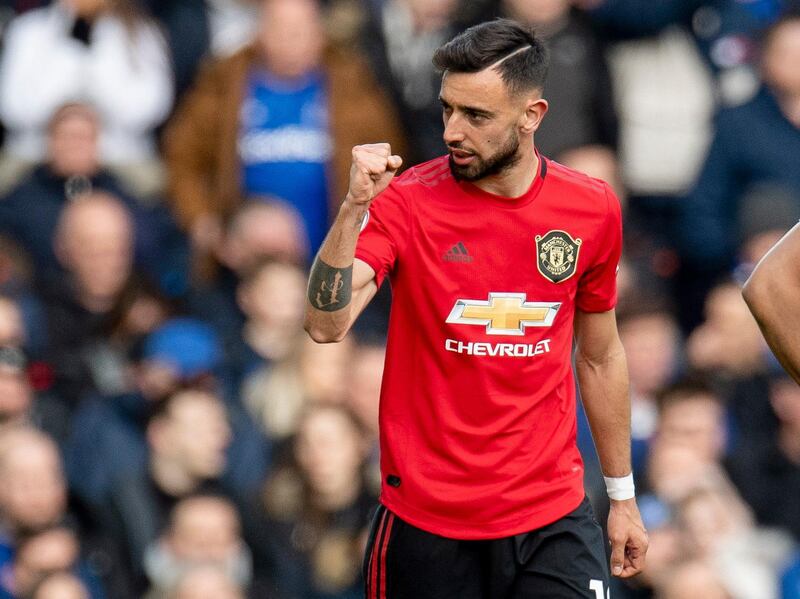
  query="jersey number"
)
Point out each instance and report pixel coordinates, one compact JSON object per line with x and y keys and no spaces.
{"x":597,"y":587}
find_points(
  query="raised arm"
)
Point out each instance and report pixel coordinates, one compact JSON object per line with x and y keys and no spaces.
{"x":773,"y":294}
{"x":340,"y":286}
{"x":603,"y":377}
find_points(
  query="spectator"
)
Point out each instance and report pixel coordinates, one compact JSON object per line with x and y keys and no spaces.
{"x":651,"y":340}
{"x":108,"y":432}
{"x":32,"y":487}
{"x":718,"y":530}
{"x":363,"y":399}
{"x":206,"y":583}
{"x":278,"y":118}
{"x":277,"y":394}
{"x":311,"y":523}
{"x":203,"y":531}
{"x":49,"y":551}
{"x":691,"y":414}
{"x":258,"y":230}
{"x":33,"y":494}
{"x":30,"y":213}
{"x":272,"y":298}
{"x":101,"y":50}
{"x":187,"y":437}
{"x":728,"y":347}
{"x":768,"y":471}
{"x":61,"y":585}
{"x":771,"y":124}
{"x":580,"y":130}
{"x":696,"y":513}
{"x":94,"y":244}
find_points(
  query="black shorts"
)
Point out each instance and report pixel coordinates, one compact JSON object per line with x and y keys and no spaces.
{"x":563,"y":560}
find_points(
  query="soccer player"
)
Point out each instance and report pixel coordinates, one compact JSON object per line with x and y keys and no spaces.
{"x":773,"y":294}
{"x":496,"y":255}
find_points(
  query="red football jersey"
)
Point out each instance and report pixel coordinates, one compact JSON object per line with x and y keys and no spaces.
{"x":477,"y":413}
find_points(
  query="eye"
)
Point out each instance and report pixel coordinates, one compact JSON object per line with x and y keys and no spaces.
{"x":476,"y":118}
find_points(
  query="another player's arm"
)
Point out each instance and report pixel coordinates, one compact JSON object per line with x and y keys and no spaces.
{"x":340,"y":286}
{"x":773,"y":294}
{"x":602,"y":373}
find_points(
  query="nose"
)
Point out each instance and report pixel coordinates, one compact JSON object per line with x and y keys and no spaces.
{"x":453,"y":133}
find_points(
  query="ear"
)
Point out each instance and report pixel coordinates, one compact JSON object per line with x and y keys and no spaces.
{"x":535,"y":109}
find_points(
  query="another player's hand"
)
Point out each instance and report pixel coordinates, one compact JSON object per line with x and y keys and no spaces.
{"x":628,"y":538}
{"x":371,"y":172}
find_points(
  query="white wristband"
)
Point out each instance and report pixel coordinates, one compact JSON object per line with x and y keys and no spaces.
{"x":620,"y":488}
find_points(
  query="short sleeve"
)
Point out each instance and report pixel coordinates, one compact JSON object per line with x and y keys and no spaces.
{"x":597,"y":289}
{"x":384,"y":232}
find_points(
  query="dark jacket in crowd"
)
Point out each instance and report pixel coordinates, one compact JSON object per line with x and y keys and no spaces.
{"x":754,"y":143}
{"x":770,"y":483}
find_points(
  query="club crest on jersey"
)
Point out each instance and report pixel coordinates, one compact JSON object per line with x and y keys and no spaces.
{"x":557,"y":255}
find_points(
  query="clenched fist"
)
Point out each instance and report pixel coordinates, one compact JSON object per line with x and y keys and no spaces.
{"x":372,"y":170}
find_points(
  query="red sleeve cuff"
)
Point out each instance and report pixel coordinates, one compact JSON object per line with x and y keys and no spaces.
{"x":597,"y":305}
{"x":374,"y":263}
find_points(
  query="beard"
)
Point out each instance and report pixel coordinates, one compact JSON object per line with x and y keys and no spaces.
{"x":505,"y":158}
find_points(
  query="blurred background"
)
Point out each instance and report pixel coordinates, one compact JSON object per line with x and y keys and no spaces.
{"x":169,"y":168}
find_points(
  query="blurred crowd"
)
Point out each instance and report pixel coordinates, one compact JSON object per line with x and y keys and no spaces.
{"x":170,"y":167}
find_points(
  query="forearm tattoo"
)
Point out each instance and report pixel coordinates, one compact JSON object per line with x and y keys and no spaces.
{"x":330,"y":289}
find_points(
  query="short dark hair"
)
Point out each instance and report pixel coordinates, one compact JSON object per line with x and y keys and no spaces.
{"x":689,"y":388}
{"x":161,"y":409}
{"x":488,"y":43}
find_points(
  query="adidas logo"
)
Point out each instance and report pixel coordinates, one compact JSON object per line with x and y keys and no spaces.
{"x":457,"y":253}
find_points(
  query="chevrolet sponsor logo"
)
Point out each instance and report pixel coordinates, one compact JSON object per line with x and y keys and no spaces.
{"x":504,"y":313}
{"x":511,"y":350}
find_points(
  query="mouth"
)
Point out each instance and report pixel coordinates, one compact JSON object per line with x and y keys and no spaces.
{"x":461,"y":157}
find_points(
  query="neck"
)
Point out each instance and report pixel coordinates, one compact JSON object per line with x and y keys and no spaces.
{"x":515,"y":181}
{"x":171,"y":478}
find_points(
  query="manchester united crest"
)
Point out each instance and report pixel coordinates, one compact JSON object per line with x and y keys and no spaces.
{"x":557,"y":255}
